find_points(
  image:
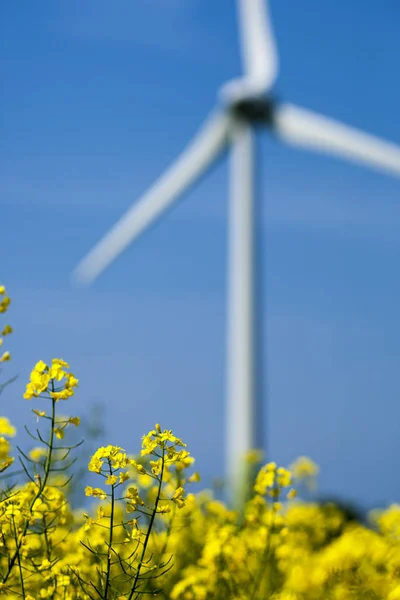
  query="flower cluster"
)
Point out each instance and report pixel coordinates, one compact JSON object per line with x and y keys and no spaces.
{"x":54,"y":379}
{"x":271,"y":480}
{"x":5,"y":302}
{"x":6,"y":429}
{"x":138,"y":498}
{"x":305,"y":472}
{"x":35,"y":516}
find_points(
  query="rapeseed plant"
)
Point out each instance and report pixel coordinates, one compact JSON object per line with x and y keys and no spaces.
{"x":145,"y":533}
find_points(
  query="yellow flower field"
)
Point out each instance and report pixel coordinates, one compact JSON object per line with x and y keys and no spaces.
{"x":146,"y":533}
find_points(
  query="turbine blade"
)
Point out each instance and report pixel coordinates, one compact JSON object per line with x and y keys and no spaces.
{"x":302,"y":127}
{"x":260,"y":57}
{"x":191,"y":164}
{"x":258,"y":42}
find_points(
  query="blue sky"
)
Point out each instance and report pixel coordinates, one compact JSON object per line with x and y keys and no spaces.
{"x":98,"y":98}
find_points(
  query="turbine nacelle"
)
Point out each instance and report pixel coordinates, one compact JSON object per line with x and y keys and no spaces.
{"x":246,"y":103}
{"x":241,"y":90}
{"x":256,"y":111}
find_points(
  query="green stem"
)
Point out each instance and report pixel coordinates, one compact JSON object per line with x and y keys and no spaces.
{"x":146,"y":541}
{"x":110,"y":539}
{"x":19,"y":564}
{"x":46,"y":539}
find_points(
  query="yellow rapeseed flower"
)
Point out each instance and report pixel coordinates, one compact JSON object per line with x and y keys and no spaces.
{"x":37,"y":453}
{"x":6,"y":356}
{"x":111,"y":480}
{"x":6,"y":428}
{"x":4,"y":304}
{"x":284,"y":477}
{"x":39,"y":413}
{"x":177,"y":497}
{"x":59,"y":433}
{"x":4,"y":448}
{"x":96,"y":492}
{"x":115,"y":455}
{"x":42,"y":375}
{"x":253,"y":457}
{"x":123,"y":476}
{"x":163,"y":509}
{"x":304,"y":467}
{"x":5,"y":459}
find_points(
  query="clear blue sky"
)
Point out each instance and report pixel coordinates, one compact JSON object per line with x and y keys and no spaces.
{"x":97,"y":98}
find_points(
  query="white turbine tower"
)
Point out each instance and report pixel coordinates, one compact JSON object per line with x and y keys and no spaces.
{"x":243,"y":104}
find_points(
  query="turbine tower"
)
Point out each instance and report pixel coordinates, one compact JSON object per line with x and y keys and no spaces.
{"x":243,"y":105}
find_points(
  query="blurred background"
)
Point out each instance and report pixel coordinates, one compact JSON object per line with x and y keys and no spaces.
{"x":97,"y":99}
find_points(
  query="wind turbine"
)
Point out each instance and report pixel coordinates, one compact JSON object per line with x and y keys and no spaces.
{"x":243,"y":105}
